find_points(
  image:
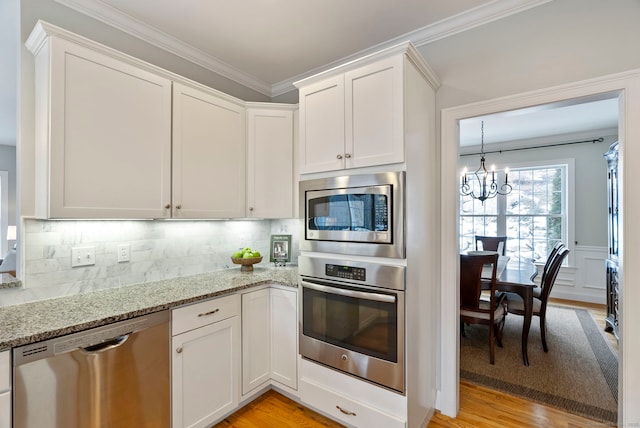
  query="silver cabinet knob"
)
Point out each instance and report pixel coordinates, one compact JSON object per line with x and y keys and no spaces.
{"x":167,"y":207}
{"x":178,"y":207}
{"x":339,"y":157}
{"x":179,"y":350}
{"x":250,"y":208}
{"x":347,"y":155}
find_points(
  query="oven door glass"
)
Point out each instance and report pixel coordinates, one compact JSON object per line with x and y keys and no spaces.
{"x":358,"y":319}
{"x":366,"y":210}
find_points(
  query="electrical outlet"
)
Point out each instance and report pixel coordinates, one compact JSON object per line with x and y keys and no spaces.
{"x":124,"y":251}
{"x":83,"y":256}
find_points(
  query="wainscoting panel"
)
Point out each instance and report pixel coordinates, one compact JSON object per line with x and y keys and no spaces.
{"x":584,"y":282}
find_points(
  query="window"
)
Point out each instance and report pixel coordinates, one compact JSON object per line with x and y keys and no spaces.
{"x":534,"y":216}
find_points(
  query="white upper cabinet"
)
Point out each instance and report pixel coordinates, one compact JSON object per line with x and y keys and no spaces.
{"x":353,"y":116}
{"x":374,"y":110}
{"x":322,"y":142}
{"x":209,"y":155}
{"x":103,"y":135}
{"x":270,"y":162}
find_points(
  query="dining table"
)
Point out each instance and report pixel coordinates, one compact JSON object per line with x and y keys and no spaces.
{"x":518,"y":277}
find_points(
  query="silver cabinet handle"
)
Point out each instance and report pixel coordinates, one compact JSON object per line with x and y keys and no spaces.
{"x":209,"y":313}
{"x":178,"y":207}
{"x":250,"y":208}
{"x":168,"y":206}
{"x":346,"y":412}
{"x":339,"y":157}
{"x":378,"y":297}
{"x":347,"y":155}
{"x":179,"y":350}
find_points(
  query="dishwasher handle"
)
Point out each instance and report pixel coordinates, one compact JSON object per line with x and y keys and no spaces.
{"x":106,"y":345}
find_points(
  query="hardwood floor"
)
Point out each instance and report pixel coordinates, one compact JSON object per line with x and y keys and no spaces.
{"x":274,"y":410}
{"x":479,"y":407}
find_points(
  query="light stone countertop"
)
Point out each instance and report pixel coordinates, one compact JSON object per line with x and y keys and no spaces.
{"x":36,"y":321}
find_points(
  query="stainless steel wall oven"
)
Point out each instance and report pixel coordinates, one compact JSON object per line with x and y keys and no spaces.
{"x":352,"y":318}
{"x":356,"y":214}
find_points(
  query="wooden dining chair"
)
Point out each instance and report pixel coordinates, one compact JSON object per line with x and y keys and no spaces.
{"x":541,"y":294}
{"x":492,"y":243}
{"x":478,"y":308}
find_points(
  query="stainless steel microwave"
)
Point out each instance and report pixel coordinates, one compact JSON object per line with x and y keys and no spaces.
{"x":354,"y":214}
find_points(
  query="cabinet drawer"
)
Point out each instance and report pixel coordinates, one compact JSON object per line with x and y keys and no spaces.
{"x":204,"y":313}
{"x":345,"y":409}
{"x":5,"y":371}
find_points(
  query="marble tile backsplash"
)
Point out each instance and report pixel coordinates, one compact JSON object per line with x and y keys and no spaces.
{"x":159,"y":250}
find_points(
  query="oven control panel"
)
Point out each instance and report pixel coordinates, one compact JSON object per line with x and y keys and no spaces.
{"x":346,"y":272}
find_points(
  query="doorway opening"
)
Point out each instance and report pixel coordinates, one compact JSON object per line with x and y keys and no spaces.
{"x":623,"y":86}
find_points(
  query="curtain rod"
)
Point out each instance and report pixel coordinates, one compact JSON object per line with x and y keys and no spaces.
{"x":597,"y":140}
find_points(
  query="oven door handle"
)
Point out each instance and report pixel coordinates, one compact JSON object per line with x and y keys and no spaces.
{"x":385,"y":298}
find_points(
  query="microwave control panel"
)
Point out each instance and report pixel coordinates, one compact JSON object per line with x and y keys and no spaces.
{"x":346,"y":272}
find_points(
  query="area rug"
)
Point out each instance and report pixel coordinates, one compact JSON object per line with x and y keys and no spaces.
{"x":579,"y":374}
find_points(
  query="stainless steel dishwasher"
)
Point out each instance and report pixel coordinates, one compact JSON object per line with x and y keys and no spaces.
{"x":116,"y":375}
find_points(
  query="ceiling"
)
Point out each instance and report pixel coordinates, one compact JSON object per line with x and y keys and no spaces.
{"x":266,"y":45}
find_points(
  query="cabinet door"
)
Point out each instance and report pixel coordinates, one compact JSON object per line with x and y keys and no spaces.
{"x":205,"y":373}
{"x":106,"y":151}
{"x":322,"y":126}
{"x":374,"y":114}
{"x":284,"y":337}
{"x":5,"y":410}
{"x":5,"y":390}
{"x":256,"y":339}
{"x":208,"y":155}
{"x":270,"y":163}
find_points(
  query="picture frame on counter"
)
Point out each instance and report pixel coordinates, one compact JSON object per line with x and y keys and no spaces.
{"x":280,"y":252}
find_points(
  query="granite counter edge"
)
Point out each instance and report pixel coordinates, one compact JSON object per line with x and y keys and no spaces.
{"x":49,"y":334}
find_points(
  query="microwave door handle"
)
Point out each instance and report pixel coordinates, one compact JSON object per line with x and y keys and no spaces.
{"x":385,"y":298}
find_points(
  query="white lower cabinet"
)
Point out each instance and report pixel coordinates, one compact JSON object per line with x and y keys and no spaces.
{"x":349,"y":400}
{"x":5,"y":390}
{"x":284,"y":337}
{"x":209,"y":372}
{"x":269,"y":338}
{"x":205,"y":361}
{"x":256,"y":339}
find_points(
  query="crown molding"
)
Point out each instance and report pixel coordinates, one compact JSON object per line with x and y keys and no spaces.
{"x":492,"y":11}
{"x":147,"y":33}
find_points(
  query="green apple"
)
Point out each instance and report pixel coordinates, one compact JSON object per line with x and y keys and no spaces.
{"x":256,"y":254}
{"x":237,"y":255}
{"x":247,"y":255}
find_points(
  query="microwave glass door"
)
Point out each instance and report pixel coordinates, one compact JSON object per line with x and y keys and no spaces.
{"x":356,"y":210}
{"x":356,"y":319}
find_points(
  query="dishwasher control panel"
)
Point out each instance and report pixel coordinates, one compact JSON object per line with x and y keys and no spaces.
{"x":86,"y":338}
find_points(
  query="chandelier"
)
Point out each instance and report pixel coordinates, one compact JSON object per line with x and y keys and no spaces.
{"x":478,"y":185}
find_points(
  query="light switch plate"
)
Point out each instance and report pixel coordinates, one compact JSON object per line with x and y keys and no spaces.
{"x":83,"y":256}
